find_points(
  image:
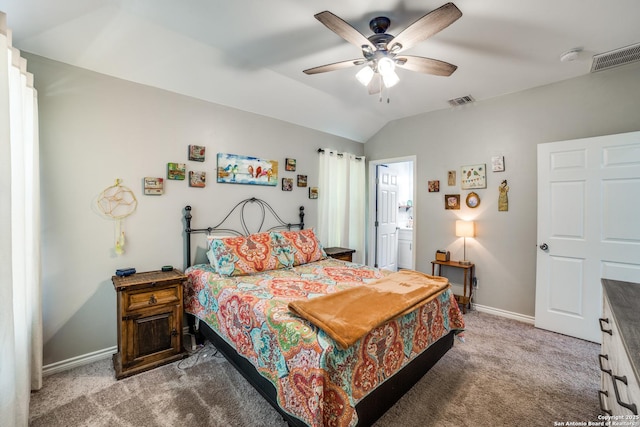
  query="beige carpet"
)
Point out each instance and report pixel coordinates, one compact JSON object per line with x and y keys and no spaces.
{"x":506,"y":373}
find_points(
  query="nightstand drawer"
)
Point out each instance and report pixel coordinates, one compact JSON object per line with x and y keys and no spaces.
{"x":147,"y":299}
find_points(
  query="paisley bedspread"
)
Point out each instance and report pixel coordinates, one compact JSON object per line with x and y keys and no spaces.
{"x":315,"y":380}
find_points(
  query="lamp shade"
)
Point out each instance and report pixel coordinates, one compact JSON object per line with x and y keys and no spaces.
{"x":465,"y":228}
{"x":365,"y":75}
{"x":386,"y":66}
{"x":390,"y":79}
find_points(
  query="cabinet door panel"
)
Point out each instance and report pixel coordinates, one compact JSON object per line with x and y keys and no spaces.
{"x":153,"y":336}
{"x":404,"y":253}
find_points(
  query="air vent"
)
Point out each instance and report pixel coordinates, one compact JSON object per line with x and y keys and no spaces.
{"x":615,"y":58}
{"x":463,"y":100}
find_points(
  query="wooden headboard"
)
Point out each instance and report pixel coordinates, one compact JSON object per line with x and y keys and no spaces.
{"x":266,"y":215}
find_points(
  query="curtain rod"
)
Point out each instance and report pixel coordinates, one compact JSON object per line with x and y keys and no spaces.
{"x":321,"y":150}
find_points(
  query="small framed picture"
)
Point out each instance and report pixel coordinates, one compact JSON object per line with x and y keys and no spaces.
{"x":302,"y":180}
{"x":313,"y":192}
{"x":497,"y":163}
{"x":434,"y":186}
{"x":196,"y":153}
{"x":197,"y":179}
{"x":473,"y":200}
{"x":290,"y":165}
{"x":176,"y":171}
{"x":153,"y":186}
{"x":452,"y":201}
{"x":287,"y":184}
{"x":451,"y":178}
{"x":473,"y":176}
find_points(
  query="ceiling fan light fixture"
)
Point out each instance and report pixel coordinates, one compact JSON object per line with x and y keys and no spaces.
{"x":365,"y":75}
{"x":390,"y":79}
{"x":380,"y":50}
{"x":386,"y":66}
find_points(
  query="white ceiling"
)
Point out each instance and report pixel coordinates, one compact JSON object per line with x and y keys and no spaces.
{"x":249,"y":54}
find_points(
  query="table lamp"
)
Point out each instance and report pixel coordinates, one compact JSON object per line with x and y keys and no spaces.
{"x":465,"y":229}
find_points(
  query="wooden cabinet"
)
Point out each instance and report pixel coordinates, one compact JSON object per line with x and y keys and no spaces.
{"x":469,"y":271}
{"x":340,"y":253}
{"x":149,"y":318}
{"x":620,"y":352}
{"x":405,"y":248}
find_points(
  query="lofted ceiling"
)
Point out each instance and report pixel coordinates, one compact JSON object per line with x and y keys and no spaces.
{"x":249,"y":54}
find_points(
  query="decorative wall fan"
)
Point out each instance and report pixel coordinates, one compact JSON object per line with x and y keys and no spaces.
{"x":381,"y":51}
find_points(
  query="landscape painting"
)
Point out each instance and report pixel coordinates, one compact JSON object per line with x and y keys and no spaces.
{"x":236,"y":169}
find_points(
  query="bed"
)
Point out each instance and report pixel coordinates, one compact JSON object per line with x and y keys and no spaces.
{"x":243,"y":303}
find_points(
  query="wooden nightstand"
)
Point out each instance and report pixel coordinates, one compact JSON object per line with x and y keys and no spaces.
{"x":149,"y":321}
{"x":464,"y":299}
{"x":340,"y":253}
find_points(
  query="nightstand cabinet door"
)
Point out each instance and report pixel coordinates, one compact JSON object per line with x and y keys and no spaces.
{"x":149,"y":321}
{"x":152,"y":336}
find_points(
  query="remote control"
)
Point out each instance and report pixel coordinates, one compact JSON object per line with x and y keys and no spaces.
{"x":123,"y":272}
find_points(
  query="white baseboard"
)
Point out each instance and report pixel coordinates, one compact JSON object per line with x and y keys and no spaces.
{"x":504,"y":313}
{"x":74,"y":362}
{"x":106,"y":353}
{"x":85,"y":359}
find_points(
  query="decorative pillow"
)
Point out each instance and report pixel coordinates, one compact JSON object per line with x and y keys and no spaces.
{"x":210,"y":256}
{"x":239,"y":256}
{"x":209,"y":253}
{"x":305,"y":246}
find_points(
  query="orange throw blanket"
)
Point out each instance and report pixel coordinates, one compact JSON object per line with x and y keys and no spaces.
{"x":349,"y":315}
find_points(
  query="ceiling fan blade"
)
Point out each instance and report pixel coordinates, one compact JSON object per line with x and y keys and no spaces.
{"x":375,"y":85}
{"x":425,"y":65}
{"x":425,"y":27}
{"x":335,"y":66}
{"x":344,"y":30}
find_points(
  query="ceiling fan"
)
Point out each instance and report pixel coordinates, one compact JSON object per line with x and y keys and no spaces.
{"x":381,"y":51}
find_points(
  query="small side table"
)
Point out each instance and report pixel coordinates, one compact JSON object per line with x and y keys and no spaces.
{"x":469,"y":269}
{"x":149,"y":320}
{"x":344,"y":254}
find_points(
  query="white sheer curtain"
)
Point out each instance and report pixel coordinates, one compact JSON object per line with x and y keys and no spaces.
{"x":20,"y":293}
{"x":341,"y":201}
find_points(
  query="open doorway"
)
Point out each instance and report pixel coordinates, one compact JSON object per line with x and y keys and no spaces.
{"x":392,"y":197}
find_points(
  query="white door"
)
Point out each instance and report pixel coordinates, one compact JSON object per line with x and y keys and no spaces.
{"x":588,"y":228}
{"x":387,"y":218}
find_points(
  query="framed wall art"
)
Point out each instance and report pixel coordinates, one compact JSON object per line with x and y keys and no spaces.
{"x":290,"y":165}
{"x":287,"y":184}
{"x":473,"y":200}
{"x":197,"y":179}
{"x":451,"y":178}
{"x":452,"y":201}
{"x":434,"y":186}
{"x":196,"y":153}
{"x":497,"y":163}
{"x":236,"y":169}
{"x":153,"y":186}
{"x":473,"y":176}
{"x":176,"y":171}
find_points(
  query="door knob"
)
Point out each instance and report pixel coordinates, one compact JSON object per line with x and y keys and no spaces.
{"x":544,"y":247}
